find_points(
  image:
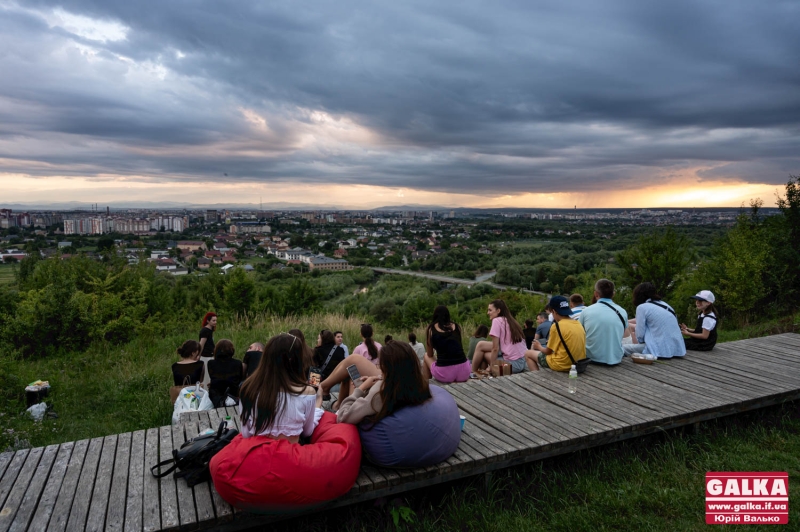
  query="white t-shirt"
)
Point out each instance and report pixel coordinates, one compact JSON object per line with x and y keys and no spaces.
{"x":300,"y":417}
{"x":709,"y":323}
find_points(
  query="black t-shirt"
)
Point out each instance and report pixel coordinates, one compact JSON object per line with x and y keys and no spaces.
{"x":225,"y":374}
{"x":187,"y":374}
{"x":208,"y":349}
{"x":449,"y":351}
{"x":321,"y":355}
{"x":251,"y":360}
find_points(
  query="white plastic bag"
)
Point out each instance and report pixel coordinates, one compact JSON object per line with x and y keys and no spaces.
{"x":37,"y":411}
{"x":191,"y":399}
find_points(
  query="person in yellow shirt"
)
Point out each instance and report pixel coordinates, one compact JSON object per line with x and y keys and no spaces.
{"x":555,"y":356}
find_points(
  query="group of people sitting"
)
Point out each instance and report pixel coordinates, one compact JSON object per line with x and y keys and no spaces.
{"x":387,"y":408}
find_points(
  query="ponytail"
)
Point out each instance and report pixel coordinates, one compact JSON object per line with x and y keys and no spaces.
{"x":366,"y":333}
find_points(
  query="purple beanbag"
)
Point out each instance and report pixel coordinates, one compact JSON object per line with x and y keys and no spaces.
{"x":415,"y":436}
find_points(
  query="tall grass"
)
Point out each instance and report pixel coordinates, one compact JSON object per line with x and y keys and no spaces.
{"x":113,"y":389}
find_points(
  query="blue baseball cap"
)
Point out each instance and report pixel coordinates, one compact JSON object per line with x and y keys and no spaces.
{"x":560,"y":305}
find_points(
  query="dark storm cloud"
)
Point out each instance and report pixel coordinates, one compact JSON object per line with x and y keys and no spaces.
{"x":460,"y":96}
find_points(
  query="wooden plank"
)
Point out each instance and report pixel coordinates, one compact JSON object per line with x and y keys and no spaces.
{"x":44,"y":510}
{"x":527,"y":427}
{"x":746,"y":373}
{"x":202,"y":493}
{"x":186,"y":510}
{"x":80,"y":506}
{"x":561,"y":421}
{"x":499,"y":427}
{"x":530,"y":384}
{"x":96,"y":519}
{"x":222,"y":509}
{"x":135,"y":494}
{"x":17,"y":492}
{"x":33,"y":491}
{"x":151,"y":502}
{"x":504,"y":391}
{"x":66,"y":493}
{"x":5,"y":459}
{"x":10,"y":476}
{"x":666,"y":396}
{"x":170,"y":519}
{"x":117,"y":498}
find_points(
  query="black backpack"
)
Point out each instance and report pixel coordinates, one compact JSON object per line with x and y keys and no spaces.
{"x":194,"y":455}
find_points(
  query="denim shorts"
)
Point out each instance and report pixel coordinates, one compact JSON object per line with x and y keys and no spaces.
{"x":517,"y":366}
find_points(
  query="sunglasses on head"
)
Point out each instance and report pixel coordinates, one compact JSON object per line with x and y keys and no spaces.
{"x":293,"y":339}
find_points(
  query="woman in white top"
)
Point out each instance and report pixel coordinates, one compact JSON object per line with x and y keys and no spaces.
{"x":265,"y":469}
{"x":275,"y":401}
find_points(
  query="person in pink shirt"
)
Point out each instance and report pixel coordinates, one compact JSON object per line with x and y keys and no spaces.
{"x":368,"y":348}
{"x":507,"y":342}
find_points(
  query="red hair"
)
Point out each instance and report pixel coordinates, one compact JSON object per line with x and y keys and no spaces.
{"x":207,"y":317}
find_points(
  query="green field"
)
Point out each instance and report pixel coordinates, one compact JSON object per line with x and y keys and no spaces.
{"x":7,"y":274}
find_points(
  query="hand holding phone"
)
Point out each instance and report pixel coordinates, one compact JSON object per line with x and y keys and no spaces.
{"x":368,"y":383}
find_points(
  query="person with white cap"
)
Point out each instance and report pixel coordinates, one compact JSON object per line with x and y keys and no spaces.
{"x":704,"y":336}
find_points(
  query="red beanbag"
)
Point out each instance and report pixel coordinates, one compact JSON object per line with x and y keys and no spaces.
{"x":263,"y":475}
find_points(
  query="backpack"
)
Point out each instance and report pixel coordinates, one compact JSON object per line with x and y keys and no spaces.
{"x":193,"y":456}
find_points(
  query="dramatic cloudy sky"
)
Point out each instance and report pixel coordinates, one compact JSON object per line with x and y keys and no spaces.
{"x":366,"y":103}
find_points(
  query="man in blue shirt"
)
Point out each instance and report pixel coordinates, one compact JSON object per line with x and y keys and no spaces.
{"x":339,"y":337}
{"x":604,"y":323}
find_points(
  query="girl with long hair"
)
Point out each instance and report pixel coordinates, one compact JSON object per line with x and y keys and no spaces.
{"x":275,"y":401}
{"x":507,"y":342}
{"x":401,"y":384}
{"x":444,"y":336}
{"x":277,"y":408}
{"x":368,"y":348}
{"x":704,"y":335}
{"x":657,"y":329}
{"x":403,"y":421}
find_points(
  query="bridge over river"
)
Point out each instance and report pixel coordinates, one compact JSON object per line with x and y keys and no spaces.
{"x":483,"y":278}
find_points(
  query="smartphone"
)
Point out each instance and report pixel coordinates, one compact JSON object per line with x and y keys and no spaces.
{"x":353,"y":371}
{"x":314,"y":379}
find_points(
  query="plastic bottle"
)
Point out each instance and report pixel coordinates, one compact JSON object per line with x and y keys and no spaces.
{"x":573,"y":379}
{"x":228,"y":423}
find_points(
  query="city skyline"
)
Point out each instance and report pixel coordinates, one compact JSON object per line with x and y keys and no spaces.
{"x":351,"y":106}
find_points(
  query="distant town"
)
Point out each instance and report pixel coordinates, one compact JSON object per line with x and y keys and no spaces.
{"x":182,"y":241}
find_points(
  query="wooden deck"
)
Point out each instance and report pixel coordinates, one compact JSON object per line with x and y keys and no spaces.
{"x":104,"y":483}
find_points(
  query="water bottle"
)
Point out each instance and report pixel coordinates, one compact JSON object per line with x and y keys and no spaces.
{"x":573,"y":379}
{"x":228,"y":423}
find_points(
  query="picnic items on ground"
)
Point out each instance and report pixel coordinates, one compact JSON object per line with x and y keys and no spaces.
{"x":643,"y":359}
{"x":500,"y":369}
{"x":37,"y":411}
{"x":36,"y":391}
{"x":191,"y":399}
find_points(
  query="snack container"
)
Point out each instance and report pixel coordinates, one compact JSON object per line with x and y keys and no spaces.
{"x":642,"y":359}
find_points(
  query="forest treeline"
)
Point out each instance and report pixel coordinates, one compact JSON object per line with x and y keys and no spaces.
{"x":65,"y":305}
